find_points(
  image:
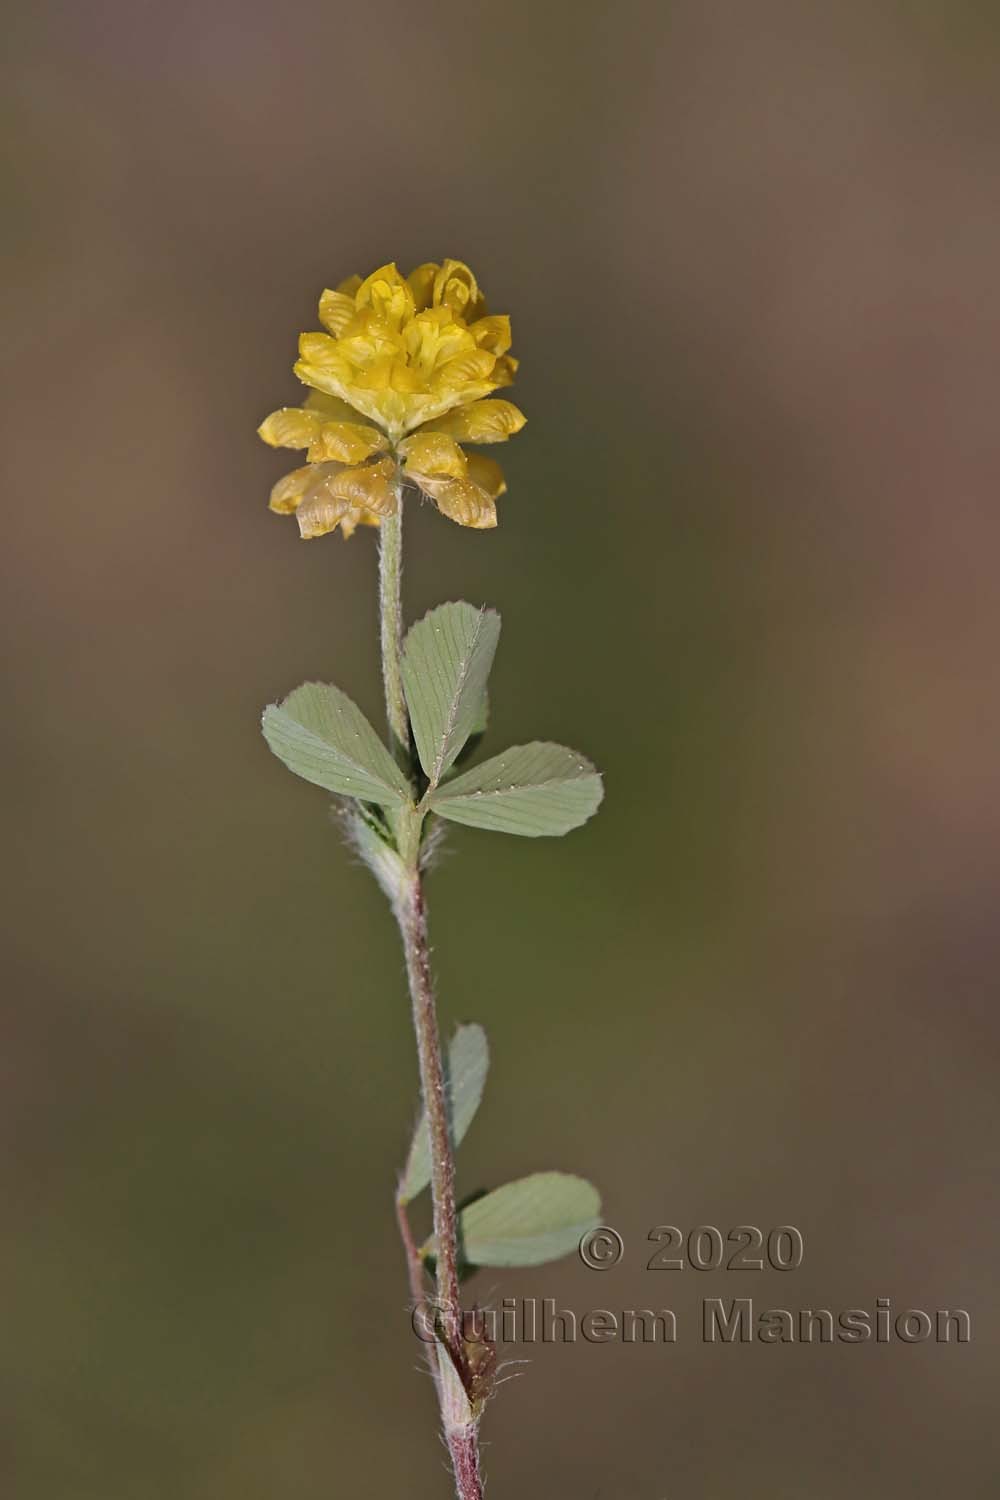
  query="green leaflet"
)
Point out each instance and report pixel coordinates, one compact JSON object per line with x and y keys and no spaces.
{"x":535,"y":790}
{"x":466,"y":1068}
{"x":324,"y":738}
{"x":528,"y":1222}
{"x":481,"y":717}
{"x":447,"y":658}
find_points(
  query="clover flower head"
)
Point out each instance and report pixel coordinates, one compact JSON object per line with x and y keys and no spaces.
{"x":404,"y":374}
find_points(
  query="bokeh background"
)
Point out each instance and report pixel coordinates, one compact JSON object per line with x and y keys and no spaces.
{"x":747,"y":562}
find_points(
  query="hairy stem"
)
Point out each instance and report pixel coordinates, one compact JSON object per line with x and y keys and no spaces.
{"x":413,"y":926}
{"x":390,"y":571}
{"x":463,"y":1445}
{"x":461,"y":1427}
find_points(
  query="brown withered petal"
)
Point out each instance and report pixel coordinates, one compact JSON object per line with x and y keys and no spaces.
{"x":480,"y":422}
{"x":462,"y":501}
{"x":346,"y":442}
{"x":290,"y":427}
{"x":367,"y":488}
{"x":320,"y":513}
{"x":433,"y":454}
{"x":288,"y":493}
{"x":504,"y":371}
{"x":487,"y":473}
{"x":356,"y":518}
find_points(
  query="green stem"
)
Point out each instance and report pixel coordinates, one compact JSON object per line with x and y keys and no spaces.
{"x":461,"y":1428}
{"x":390,"y":579}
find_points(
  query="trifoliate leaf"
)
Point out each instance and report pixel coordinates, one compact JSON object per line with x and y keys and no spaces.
{"x":528,"y":1222}
{"x":324,"y":738}
{"x":447,"y":658}
{"x":535,"y":790}
{"x":481,"y":717}
{"x":479,"y":727}
{"x":466,"y":1067}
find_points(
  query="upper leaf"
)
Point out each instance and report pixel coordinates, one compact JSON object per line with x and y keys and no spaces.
{"x":528,"y":1222}
{"x":447,"y":658}
{"x":481,"y":716}
{"x":324,"y":738}
{"x":534,"y":790}
{"x":466,"y":1068}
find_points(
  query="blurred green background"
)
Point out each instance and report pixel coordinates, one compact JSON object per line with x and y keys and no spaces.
{"x":747,"y":563}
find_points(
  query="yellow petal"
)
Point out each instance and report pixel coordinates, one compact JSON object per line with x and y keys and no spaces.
{"x":481,"y":422}
{"x":487,"y":473}
{"x":336,"y":310}
{"x":376,"y":375}
{"x":492,"y":333}
{"x":475,"y":308}
{"x":326,"y":369}
{"x":388,"y":294}
{"x":433,"y":337}
{"x":475,"y":365}
{"x":455,"y":286}
{"x":368,"y":488}
{"x":287,"y":494}
{"x":346,"y":442}
{"x":370,"y":334}
{"x":433,"y":454}
{"x":333,"y":409}
{"x":383,"y":361}
{"x":421,"y":281}
{"x":462,"y":501}
{"x":402,"y":377}
{"x":323,"y":367}
{"x":290,"y":427}
{"x":322,"y":351}
{"x":388,"y":273}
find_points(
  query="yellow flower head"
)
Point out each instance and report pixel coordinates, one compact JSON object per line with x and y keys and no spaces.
{"x":418,"y":358}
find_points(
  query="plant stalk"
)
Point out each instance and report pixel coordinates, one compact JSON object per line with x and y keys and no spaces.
{"x":413,"y":926}
{"x":390,"y":579}
{"x":463,"y":1445}
{"x":461,"y":1427}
